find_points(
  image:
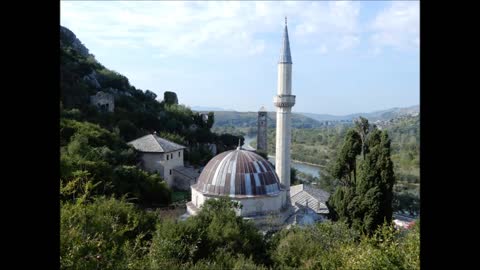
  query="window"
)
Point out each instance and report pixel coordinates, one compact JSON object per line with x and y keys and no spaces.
{"x":179,"y":154}
{"x":170,"y":172}
{"x":171,"y":155}
{"x":168,"y":157}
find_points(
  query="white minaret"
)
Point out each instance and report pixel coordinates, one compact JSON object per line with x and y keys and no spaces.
{"x":284,"y":102}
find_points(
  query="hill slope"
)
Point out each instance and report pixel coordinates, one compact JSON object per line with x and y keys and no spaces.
{"x":249,"y":120}
{"x":382,"y":115}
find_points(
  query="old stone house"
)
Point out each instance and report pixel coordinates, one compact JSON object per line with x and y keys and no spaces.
{"x":165,"y":157}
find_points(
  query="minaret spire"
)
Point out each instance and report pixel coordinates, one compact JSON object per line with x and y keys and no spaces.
{"x":284,"y":101}
{"x":285,"y":56}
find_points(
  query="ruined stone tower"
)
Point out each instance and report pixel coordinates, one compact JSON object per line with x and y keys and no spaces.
{"x":262,"y":131}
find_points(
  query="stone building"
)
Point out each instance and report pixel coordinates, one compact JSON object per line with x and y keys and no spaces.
{"x":165,"y":158}
{"x":262,"y":130}
{"x":104,"y":101}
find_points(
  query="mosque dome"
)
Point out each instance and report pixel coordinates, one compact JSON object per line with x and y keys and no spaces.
{"x":238,"y":173}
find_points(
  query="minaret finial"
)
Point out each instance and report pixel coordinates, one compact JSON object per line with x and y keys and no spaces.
{"x":285,"y":20}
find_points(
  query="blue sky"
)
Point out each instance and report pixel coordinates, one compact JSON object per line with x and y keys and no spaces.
{"x":348,"y":57}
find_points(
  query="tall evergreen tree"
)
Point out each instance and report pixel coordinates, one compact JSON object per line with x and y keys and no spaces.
{"x":376,"y":182}
{"x":363,"y":128}
{"x":347,"y":159}
{"x":367,"y":203}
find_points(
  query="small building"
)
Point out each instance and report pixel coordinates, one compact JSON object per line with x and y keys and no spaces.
{"x":309,"y":204}
{"x":103,"y":101}
{"x":160,"y":155}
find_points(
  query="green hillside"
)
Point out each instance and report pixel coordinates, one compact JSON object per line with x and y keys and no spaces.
{"x":93,"y":142}
{"x":249,"y":120}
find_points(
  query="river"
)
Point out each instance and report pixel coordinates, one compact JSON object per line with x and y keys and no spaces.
{"x":305,"y":168}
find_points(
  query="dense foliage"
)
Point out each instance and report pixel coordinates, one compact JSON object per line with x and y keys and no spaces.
{"x":103,"y":233}
{"x":91,"y":153}
{"x":93,"y":142}
{"x":364,"y":202}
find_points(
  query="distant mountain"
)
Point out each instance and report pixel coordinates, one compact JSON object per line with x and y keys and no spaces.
{"x":382,"y":115}
{"x":204,"y":108}
{"x":249,"y":119}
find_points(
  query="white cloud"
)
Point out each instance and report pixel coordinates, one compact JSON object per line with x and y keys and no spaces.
{"x":190,"y":28}
{"x":397,"y":26}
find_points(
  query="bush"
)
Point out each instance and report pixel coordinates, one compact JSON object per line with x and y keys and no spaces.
{"x":215,"y":234}
{"x":144,"y":187}
{"x":104,"y":234}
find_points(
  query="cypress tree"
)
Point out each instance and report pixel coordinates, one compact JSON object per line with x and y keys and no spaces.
{"x":367,"y":203}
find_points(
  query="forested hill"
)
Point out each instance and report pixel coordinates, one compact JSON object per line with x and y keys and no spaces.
{"x":136,"y":113}
{"x":93,"y":142}
{"x":249,"y":120}
{"x":383,"y":115}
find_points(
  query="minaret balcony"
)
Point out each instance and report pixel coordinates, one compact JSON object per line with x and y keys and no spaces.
{"x":284,"y":100}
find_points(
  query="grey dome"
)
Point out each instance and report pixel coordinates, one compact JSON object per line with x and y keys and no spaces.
{"x":238,"y":173}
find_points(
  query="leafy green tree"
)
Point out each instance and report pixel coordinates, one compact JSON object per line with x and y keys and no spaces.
{"x":170,"y":98}
{"x":104,"y":234}
{"x":214,"y":231}
{"x":314,"y":247}
{"x":128,"y":131}
{"x":144,"y":187}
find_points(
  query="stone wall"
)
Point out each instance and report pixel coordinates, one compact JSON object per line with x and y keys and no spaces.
{"x":157,"y":162}
{"x":153,"y":162}
{"x":174,"y":160}
{"x":184,"y":177}
{"x":104,"y":101}
{"x":252,"y":206}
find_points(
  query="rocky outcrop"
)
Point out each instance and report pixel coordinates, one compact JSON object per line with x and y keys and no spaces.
{"x":68,"y":38}
{"x":91,"y":79}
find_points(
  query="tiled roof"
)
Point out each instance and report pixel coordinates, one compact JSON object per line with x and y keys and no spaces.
{"x":301,"y":195}
{"x":151,"y":143}
{"x":186,"y":171}
{"x":238,"y":173}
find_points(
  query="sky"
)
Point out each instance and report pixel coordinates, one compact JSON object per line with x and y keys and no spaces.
{"x":348,"y":57}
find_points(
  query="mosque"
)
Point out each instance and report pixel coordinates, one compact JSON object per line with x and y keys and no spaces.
{"x":244,"y":176}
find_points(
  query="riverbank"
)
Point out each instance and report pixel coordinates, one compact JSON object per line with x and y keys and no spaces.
{"x":303,"y":162}
{"x":248,"y":141}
